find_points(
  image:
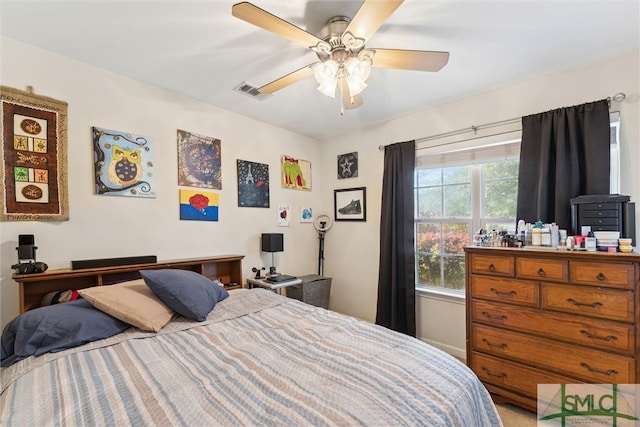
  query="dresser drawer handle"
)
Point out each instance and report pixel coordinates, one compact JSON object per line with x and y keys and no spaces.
{"x":541,"y":272}
{"x":607,"y":372}
{"x":601,"y":277}
{"x":492,"y":268}
{"x":503,"y":293}
{"x":607,"y":338}
{"x":584,"y":304}
{"x":493,"y":316}
{"x":494,"y":374}
{"x":490,"y":344}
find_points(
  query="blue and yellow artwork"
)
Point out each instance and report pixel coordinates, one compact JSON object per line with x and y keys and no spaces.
{"x":198,"y":205}
{"x":123,"y":164}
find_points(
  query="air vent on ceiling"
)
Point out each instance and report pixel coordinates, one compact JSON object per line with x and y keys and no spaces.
{"x":250,"y":90}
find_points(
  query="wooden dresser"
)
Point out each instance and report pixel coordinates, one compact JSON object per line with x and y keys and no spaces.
{"x":551,"y":317}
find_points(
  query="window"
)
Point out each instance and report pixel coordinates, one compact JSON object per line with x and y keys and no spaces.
{"x":452,"y":202}
{"x":462,"y":186}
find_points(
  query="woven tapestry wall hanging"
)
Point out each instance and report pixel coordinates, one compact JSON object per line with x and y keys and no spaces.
{"x":34,"y":157}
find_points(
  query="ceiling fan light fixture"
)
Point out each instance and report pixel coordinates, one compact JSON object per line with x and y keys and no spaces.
{"x":322,"y":48}
{"x":352,"y":42}
{"x":328,"y":87}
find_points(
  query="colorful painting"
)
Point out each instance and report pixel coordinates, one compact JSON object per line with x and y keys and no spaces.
{"x":198,"y":205}
{"x":34,"y":157}
{"x":295,"y":174}
{"x":284,"y":216}
{"x":306,"y":214}
{"x":348,"y":165}
{"x":123,"y":164}
{"x":253,"y":184}
{"x":199,"y":161}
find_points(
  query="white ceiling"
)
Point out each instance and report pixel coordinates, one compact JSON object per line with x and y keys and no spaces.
{"x":197,"y":48}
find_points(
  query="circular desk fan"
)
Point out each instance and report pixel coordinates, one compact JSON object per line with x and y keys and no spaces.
{"x":344,"y":61}
{"x":322,"y":224}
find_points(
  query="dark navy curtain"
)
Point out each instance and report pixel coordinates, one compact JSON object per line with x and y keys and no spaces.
{"x":564,"y":153}
{"x":396,"y":276}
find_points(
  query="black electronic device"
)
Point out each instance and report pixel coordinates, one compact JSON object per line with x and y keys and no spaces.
{"x":30,"y":267}
{"x":26,"y":248}
{"x":257,"y":271}
{"x":280,"y":278}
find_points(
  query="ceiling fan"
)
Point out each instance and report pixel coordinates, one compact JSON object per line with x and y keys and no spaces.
{"x":344,"y":60}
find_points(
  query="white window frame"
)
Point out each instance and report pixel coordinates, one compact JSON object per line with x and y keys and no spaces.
{"x":482,"y":147}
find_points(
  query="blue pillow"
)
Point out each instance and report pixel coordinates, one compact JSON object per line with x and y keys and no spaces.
{"x":55,"y":328}
{"x":186,"y":292}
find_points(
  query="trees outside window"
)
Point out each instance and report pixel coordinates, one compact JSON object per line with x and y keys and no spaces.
{"x":452,"y":203}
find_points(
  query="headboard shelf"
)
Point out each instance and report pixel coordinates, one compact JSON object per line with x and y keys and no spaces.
{"x":226,"y":268}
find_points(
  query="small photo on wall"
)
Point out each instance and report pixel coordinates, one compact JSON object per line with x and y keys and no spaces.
{"x":284,"y":216}
{"x":306,"y":214}
{"x":198,"y":205}
{"x":348,"y":165}
{"x":199,"y":161}
{"x":253,"y":184}
{"x":295,"y":173}
{"x":123,"y":164}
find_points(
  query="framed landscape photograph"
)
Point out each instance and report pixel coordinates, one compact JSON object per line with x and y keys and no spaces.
{"x":350,"y":204}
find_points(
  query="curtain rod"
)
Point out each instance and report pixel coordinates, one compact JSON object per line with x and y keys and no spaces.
{"x":617,"y":97}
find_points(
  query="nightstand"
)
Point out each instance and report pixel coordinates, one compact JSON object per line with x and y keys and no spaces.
{"x":274,"y":286}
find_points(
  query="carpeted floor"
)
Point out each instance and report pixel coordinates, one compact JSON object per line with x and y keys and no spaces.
{"x":512,"y":416}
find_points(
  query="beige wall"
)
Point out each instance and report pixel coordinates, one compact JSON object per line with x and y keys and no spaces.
{"x":103,"y":226}
{"x":112,"y":226}
{"x":353,"y":249}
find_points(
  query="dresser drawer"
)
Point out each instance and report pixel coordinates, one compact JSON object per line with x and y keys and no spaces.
{"x":594,"y":222}
{"x":555,"y":270}
{"x":615,"y":275}
{"x":600,"y":213}
{"x":513,"y":376}
{"x":590,"y":207}
{"x":589,"y":301}
{"x":596,"y":333}
{"x":494,"y":265}
{"x":580,"y":362}
{"x":505,"y":290}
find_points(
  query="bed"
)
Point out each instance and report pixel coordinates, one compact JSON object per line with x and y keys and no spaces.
{"x":258,"y":358}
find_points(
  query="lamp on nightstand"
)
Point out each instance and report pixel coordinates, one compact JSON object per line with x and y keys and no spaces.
{"x":272,"y":242}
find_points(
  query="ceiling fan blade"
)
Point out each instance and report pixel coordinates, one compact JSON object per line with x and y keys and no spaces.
{"x":349,"y":102}
{"x":287,"y":80}
{"x":419,"y":60}
{"x":371,"y":16}
{"x":265,"y":20}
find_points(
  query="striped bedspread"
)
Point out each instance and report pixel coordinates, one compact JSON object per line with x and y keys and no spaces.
{"x":259,"y":359}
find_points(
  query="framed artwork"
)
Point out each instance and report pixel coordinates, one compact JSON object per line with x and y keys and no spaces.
{"x":198,"y":205}
{"x":295,"y":173}
{"x":33,"y":164}
{"x":350,"y":204}
{"x":306,"y":214}
{"x":253,"y":184}
{"x":284,"y":216}
{"x":348,"y":165}
{"x":199,"y":161}
{"x":123,"y":164}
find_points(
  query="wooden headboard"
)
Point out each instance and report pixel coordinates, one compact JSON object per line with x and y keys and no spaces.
{"x":226,"y":268}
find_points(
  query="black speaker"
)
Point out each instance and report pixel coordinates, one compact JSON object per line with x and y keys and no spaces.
{"x":26,"y":248}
